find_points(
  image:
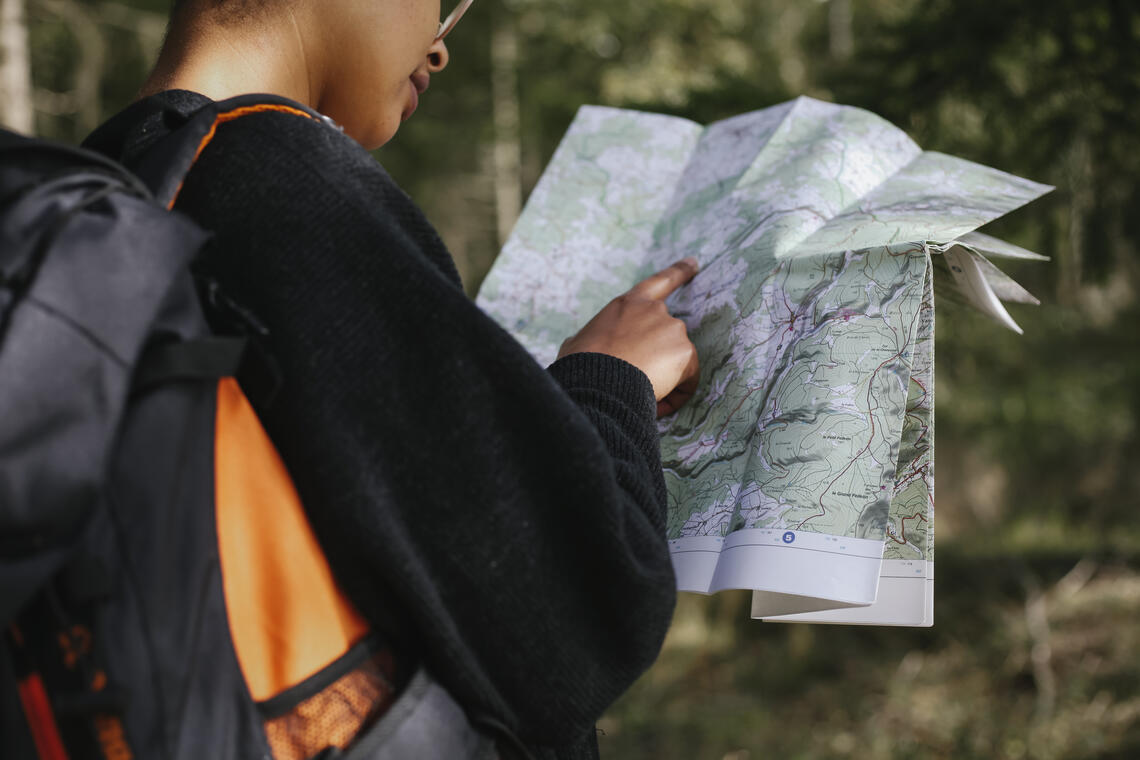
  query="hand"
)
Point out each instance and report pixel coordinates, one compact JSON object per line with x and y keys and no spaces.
{"x":636,"y":326}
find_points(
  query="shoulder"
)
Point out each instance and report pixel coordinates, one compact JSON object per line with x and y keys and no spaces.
{"x":274,"y":177}
{"x":278,"y":140}
{"x":249,"y":140}
{"x":271,"y":173}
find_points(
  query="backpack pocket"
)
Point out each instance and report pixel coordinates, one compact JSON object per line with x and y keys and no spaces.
{"x":424,"y":723}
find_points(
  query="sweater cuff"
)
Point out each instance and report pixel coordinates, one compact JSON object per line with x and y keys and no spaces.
{"x":609,"y":374}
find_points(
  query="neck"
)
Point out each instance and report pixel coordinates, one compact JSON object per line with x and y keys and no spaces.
{"x":221,"y":60}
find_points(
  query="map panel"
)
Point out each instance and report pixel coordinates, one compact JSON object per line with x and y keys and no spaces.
{"x":798,"y":419}
{"x":582,"y":237}
{"x":768,"y":180}
{"x":910,"y":523}
{"x":963,"y":196}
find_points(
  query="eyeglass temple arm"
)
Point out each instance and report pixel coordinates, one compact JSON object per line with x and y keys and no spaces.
{"x":452,"y":19}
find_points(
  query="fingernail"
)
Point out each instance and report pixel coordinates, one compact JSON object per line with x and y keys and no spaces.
{"x":691,"y":261}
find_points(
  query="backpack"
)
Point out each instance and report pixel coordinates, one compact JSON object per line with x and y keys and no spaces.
{"x":113,"y":393}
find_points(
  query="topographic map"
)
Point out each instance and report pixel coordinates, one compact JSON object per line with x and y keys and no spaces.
{"x":803,"y":466}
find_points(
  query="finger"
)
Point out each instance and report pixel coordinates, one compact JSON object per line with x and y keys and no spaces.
{"x":691,"y":377}
{"x":684,"y":391}
{"x":673,"y":401}
{"x":660,"y":285}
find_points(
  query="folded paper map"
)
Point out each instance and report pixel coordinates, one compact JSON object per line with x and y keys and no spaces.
{"x":803,"y":468}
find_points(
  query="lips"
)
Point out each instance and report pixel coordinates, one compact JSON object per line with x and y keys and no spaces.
{"x":419,"y":81}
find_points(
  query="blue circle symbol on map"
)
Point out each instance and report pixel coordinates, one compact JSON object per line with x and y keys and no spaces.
{"x":789,"y":537}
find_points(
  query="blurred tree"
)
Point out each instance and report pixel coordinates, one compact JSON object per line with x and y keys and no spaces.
{"x":88,"y":58}
{"x":840,"y":37}
{"x":15,"y":68}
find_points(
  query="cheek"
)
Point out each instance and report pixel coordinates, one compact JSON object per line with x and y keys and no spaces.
{"x":368,"y":90}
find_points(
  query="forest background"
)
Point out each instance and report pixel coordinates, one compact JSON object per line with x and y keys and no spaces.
{"x":1034,"y":651}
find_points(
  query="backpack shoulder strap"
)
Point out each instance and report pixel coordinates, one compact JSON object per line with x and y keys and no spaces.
{"x":207,"y":358}
{"x":165,"y":165}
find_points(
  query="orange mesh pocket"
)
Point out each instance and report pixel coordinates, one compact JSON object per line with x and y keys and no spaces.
{"x":335,"y":715}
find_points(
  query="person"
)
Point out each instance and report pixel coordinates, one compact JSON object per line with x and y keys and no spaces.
{"x":499,"y":522}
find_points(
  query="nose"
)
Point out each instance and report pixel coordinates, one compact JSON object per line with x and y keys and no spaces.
{"x":437,"y":57}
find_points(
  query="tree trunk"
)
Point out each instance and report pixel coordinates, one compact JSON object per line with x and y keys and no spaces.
{"x":840,"y":37}
{"x":89,"y":70}
{"x":1082,"y":199}
{"x":15,"y":68}
{"x":507,"y":153}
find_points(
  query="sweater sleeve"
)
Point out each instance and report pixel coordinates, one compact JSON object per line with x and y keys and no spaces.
{"x":510,"y":516}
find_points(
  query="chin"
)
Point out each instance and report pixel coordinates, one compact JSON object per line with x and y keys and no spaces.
{"x":379,"y":135}
{"x":373,"y":133}
{"x":371,"y":140}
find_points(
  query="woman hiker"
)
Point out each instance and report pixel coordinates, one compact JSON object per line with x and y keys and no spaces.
{"x":496,"y":524}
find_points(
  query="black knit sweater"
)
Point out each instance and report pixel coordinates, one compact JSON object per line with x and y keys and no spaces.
{"x":503,"y":522}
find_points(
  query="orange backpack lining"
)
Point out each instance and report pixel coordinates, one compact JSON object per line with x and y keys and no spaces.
{"x":288,"y":619}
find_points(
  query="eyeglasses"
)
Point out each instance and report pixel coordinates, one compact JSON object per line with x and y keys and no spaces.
{"x":452,"y":19}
